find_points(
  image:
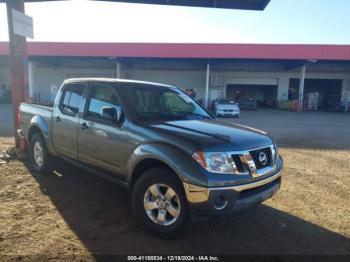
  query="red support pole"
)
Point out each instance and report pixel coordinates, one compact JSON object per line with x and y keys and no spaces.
{"x":19,"y":65}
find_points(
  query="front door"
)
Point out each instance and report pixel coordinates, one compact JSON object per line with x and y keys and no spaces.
{"x":65,"y":120}
{"x":102,"y":142}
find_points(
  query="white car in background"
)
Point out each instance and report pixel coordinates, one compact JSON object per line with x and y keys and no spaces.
{"x":226,"y":107}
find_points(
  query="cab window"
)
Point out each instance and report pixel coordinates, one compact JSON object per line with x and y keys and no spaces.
{"x":101,"y":96}
{"x":72,"y":98}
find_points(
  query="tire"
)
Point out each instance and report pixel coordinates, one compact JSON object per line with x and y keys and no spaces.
{"x":160,"y":178}
{"x":40,"y":160}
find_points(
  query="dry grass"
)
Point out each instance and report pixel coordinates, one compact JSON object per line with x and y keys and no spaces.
{"x":316,"y":187}
{"x":72,"y":215}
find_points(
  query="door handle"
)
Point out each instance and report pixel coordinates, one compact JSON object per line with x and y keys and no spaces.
{"x":58,"y":119}
{"x":84,"y":126}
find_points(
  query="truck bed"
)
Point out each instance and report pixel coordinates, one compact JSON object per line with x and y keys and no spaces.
{"x":28,"y":111}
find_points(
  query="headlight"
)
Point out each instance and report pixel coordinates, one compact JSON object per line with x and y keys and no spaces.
{"x":275,"y":148}
{"x":214,"y":162}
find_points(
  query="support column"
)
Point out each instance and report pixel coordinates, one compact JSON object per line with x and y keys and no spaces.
{"x":346,"y":94}
{"x":301,"y":88}
{"x":119,"y":70}
{"x":207,"y":78}
{"x":283,"y":88}
{"x":18,"y":61}
{"x":31,"y":80}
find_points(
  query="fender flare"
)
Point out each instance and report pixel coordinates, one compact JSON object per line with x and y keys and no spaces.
{"x":38,"y":122}
{"x":180,"y":162}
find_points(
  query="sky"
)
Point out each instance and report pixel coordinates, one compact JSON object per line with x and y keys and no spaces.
{"x":283,"y":21}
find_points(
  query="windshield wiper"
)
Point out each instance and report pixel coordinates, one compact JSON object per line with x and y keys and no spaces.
{"x":181,"y":115}
{"x":160,"y":116}
{"x":195,"y":114}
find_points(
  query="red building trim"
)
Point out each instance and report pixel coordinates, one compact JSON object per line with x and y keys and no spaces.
{"x":191,"y":50}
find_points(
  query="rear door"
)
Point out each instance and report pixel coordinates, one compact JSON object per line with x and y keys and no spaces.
{"x":102,"y":142}
{"x":65,"y":120}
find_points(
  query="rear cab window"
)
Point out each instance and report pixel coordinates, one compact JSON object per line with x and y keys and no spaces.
{"x":72,"y":98}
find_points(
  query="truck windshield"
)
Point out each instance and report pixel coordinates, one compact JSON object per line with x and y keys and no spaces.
{"x":158,"y":103}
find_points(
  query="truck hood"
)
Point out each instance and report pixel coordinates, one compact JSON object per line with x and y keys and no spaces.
{"x":214,"y":135}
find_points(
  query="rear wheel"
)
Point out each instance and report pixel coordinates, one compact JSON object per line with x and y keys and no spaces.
{"x":39,"y":156}
{"x":159,"y":203}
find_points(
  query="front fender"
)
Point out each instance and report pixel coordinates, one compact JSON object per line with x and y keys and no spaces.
{"x":179,"y":161}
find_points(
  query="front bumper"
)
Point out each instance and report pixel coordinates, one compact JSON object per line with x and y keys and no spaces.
{"x":225,"y":200}
{"x":22,"y":142}
{"x":227,"y":113}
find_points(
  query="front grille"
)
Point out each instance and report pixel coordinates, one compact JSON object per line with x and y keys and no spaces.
{"x":256,"y":162}
{"x":258,"y":157}
{"x":238,"y":162}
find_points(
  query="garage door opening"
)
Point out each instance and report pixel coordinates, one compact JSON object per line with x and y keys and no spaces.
{"x":319,"y":94}
{"x":265,"y":95}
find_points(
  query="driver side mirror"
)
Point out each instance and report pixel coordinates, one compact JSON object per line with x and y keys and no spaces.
{"x":111,"y":113}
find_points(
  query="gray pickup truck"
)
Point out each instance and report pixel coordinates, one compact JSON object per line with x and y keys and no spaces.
{"x":175,"y":157}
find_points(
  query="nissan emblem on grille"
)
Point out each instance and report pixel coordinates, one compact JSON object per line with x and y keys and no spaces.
{"x":262,"y":158}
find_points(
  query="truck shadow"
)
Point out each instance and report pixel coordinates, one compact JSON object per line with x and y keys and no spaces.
{"x":100,"y":215}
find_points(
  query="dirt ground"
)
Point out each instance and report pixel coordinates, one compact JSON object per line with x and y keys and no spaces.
{"x":75,"y":216}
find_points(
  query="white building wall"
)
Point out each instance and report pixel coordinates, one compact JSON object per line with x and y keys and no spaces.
{"x":4,"y":80}
{"x":281,"y":78}
{"x":5,"y":76}
{"x":264,"y":78}
{"x":46,"y":76}
{"x":88,"y":72}
{"x":182,"y":79}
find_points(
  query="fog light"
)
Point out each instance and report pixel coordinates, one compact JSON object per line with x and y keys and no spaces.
{"x":220,"y":203}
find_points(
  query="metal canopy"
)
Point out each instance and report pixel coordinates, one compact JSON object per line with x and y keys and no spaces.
{"x":228,"y":4}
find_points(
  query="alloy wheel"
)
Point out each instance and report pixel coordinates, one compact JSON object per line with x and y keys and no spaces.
{"x":162,"y":204}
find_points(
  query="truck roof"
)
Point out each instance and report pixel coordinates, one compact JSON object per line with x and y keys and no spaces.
{"x":113,"y":80}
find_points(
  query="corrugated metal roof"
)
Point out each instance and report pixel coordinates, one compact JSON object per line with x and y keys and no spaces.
{"x":196,"y":51}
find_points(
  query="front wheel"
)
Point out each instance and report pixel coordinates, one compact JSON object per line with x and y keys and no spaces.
{"x":159,"y":203}
{"x":39,"y":156}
